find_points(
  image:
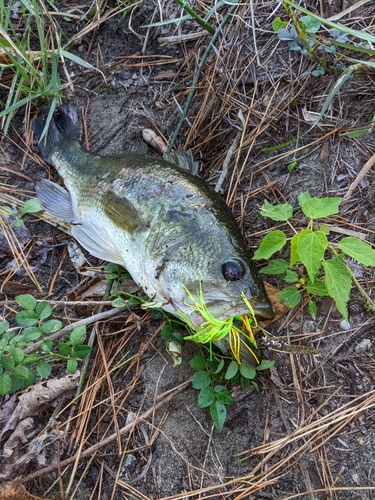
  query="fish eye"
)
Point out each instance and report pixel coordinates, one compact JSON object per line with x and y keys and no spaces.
{"x":233,"y":270}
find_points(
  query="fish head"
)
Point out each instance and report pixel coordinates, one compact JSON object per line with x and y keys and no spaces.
{"x":226,"y":287}
{"x":203,"y":259}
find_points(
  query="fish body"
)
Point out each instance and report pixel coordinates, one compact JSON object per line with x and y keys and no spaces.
{"x":170,"y":230}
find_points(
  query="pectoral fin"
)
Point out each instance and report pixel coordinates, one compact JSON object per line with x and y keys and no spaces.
{"x":56,"y":201}
{"x":122,"y":213}
{"x":97,"y":242}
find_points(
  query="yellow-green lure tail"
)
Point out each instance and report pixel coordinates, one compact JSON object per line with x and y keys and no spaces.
{"x":213,"y":330}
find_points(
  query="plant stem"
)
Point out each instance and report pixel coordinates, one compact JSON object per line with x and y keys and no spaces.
{"x":205,"y":25}
{"x":196,"y":77}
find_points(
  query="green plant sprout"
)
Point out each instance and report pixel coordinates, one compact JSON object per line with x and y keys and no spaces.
{"x":302,"y":37}
{"x":316,"y":266}
{"x":209,"y":379}
{"x":19,"y":369}
{"x":31,"y":206}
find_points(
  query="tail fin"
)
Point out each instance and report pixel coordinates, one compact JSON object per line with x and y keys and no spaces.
{"x":65,"y":125}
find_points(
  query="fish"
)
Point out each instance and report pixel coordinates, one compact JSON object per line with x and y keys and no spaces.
{"x":171,"y":231}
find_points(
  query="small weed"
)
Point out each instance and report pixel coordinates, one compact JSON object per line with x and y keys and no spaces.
{"x":316,"y":266}
{"x":213,"y":373}
{"x":302,"y":36}
{"x":31,"y":206}
{"x":18,"y":369}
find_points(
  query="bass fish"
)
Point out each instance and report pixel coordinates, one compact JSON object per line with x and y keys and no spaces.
{"x":171,"y":231}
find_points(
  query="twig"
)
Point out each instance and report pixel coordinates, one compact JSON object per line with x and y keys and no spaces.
{"x":86,"y":321}
{"x":227,"y":160}
{"x":369,"y":163}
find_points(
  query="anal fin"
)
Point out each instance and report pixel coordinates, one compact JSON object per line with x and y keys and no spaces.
{"x":56,"y":201}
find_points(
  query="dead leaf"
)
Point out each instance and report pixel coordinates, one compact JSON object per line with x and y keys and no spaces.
{"x":155,"y":141}
{"x":14,"y":490}
{"x":27,"y":404}
{"x":324,"y":154}
{"x":281,"y":308}
{"x":13,"y":288}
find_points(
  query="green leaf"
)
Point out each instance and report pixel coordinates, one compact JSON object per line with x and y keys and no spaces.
{"x":5,"y":384}
{"x":201,"y":380}
{"x":312,"y":309}
{"x":291,"y":276}
{"x":43,"y":310}
{"x":80,"y":351}
{"x":231,"y":370}
{"x":223,"y":395}
{"x":64,"y":348}
{"x":317,"y":288}
{"x":31,"y":206}
{"x":18,"y":223}
{"x":78,"y":335}
{"x":7,"y":362}
{"x":294,"y":257}
{"x":198,"y":363}
{"x":17,"y":383}
{"x":338,"y":282}
{"x":18,"y":355}
{"x":32,"y":358}
{"x":265,"y":364}
{"x":26,"y":301}
{"x":271,"y":243}
{"x":30,"y":379}
{"x":119,"y":302}
{"x":4,"y":325}
{"x":167,"y":331}
{"x":206,"y":397}
{"x":309,"y":24}
{"x":220,"y":367}
{"x":281,"y":212}
{"x":278,"y":24}
{"x":6,"y":211}
{"x":21,"y":372}
{"x":32,"y":333}
{"x":218,"y":413}
{"x":72,"y":365}
{"x":317,"y":208}
{"x":46,"y":346}
{"x":291,"y":295}
{"x":52,"y":325}
{"x":247,"y":371}
{"x":311,"y":246}
{"x":325,"y":229}
{"x":244,"y":383}
{"x":358,"y":250}
{"x":277,"y":266}
{"x":26,"y":318}
{"x":303,"y":197}
{"x":43,"y":370}
{"x":358,"y":133}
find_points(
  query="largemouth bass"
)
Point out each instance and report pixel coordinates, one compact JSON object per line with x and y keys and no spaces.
{"x":172,"y":232}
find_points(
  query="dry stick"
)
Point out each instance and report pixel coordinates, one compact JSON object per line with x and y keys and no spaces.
{"x":108,"y":440}
{"x":86,"y":321}
{"x":360,"y":176}
{"x":227,"y":160}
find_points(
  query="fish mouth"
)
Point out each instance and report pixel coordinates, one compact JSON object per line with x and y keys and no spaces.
{"x":222,"y":307}
{"x":261,"y":310}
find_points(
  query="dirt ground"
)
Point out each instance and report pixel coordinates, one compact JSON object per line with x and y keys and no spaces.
{"x":310,"y":431}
